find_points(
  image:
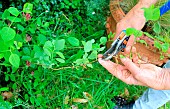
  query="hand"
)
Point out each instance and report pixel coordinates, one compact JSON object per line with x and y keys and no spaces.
{"x":138,"y":73}
{"x":134,"y":19}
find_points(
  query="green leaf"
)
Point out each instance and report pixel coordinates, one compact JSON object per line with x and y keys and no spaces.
{"x":142,"y":41}
{"x":130,"y":31}
{"x":32,"y":100}
{"x":103,"y":40}
{"x":165,"y":47}
{"x":59,"y":44}
{"x":48,"y":44}
{"x":73,"y":41}
{"x":46,"y":25}
{"x":4,"y":89}
{"x":14,"y":19}
{"x":14,"y":11}
{"x":61,"y":55}
{"x":85,"y":56}
{"x":93,"y":55}
{"x":96,"y":46}
{"x":88,"y":46}
{"x":5,"y":105}
{"x":1,"y":55}
{"x":20,"y":27}
{"x":157,"y":45}
{"x":12,"y":77}
{"x":149,"y":35}
{"x":48,"y":51}
{"x":90,"y":65}
{"x":14,"y":86}
{"x":6,"y":77}
{"x":5,"y":14}
{"x":8,"y":33}
{"x":26,"y":51}
{"x":133,"y":31}
{"x":111,"y":35}
{"x":26,"y":58}
{"x":41,"y":39}
{"x":138,"y":33}
{"x":152,"y":13}
{"x":157,"y":28}
{"x":39,"y":21}
{"x":18,"y":44}
{"x":79,"y":61}
{"x":101,"y":49}
{"x":14,"y":60}
{"x":97,"y":34}
{"x":60,"y":60}
{"x":28,"y":7}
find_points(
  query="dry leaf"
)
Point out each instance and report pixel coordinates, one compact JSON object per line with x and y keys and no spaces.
{"x":7,"y":95}
{"x":79,"y":100}
{"x":126,"y":92}
{"x":87,"y":95}
{"x":66,"y":100}
{"x":74,"y":107}
{"x":98,"y":107}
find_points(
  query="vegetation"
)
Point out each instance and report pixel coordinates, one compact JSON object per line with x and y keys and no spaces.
{"x":48,"y":56}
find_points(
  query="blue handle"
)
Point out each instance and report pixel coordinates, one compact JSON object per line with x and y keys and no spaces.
{"x":165,"y":8}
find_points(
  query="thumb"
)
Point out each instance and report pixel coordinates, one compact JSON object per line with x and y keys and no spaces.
{"x":133,"y":68}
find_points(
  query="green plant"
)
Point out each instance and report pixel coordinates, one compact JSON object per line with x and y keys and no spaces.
{"x":49,"y":60}
{"x":153,"y":14}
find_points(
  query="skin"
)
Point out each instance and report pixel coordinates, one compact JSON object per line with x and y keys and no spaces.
{"x":134,"y":71}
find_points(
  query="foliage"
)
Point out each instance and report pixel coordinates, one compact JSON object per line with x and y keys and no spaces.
{"x":48,"y":55}
{"x":153,"y":14}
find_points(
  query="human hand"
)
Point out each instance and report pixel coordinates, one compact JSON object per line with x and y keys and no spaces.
{"x":138,"y":73}
{"x":134,"y":19}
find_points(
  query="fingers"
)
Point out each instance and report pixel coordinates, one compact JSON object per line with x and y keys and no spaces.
{"x":100,"y":56}
{"x":133,"y":68}
{"x":131,"y":40}
{"x":127,"y":50}
{"x":110,"y":66}
{"x":120,"y":72}
{"x":131,"y":51}
{"x":114,"y":69}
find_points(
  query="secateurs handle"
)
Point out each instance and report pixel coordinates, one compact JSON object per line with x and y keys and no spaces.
{"x":118,"y":45}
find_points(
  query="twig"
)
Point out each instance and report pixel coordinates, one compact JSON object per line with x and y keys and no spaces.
{"x":72,"y":67}
{"x":61,"y":68}
{"x":66,"y":17}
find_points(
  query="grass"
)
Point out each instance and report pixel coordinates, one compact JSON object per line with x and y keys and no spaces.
{"x":60,"y":88}
{"x":97,"y":82}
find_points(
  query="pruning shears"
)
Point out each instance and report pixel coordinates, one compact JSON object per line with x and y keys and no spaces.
{"x":118,"y":45}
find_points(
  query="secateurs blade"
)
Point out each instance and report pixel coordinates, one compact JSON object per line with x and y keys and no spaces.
{"x":118,"y":45}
